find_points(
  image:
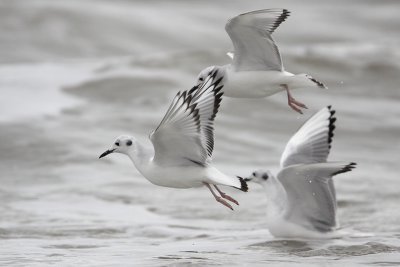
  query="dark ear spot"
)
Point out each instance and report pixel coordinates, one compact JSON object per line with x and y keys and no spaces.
{"x":265,"y":176}
{"x":254,"y":174}
{"x":129,"y":142}
{"x":117,"y":143}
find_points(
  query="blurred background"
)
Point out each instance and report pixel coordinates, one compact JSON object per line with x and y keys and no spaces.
{"x":75,"y":74}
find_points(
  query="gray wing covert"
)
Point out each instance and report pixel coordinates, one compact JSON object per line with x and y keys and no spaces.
{"x":254,"y":48}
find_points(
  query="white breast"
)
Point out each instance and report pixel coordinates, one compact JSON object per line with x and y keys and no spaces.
{"x":254,"y":84}
{"x":174,"y":176}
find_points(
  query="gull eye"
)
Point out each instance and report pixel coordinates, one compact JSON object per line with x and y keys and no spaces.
{"x":117,"y":143}
{"x":201,"y":79}
{"x":254,"y":174}
{"x":265,"y":176}
{"x":129,"y":142}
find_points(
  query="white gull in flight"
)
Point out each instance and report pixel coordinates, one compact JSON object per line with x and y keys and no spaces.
{"x":302,"y":197}
{"x":257,"y":69}
{"x":183,"y":144}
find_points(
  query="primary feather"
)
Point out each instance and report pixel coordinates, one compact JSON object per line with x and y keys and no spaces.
{"x":186,"y":131}
{"x":312,"y":142}
{"x":254,"y":46}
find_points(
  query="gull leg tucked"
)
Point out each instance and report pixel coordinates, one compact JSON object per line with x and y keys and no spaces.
{"x":256,"y":68}
{"x":293,"y":103}
{"x":217,"y":198}
{"x":224,"y":195}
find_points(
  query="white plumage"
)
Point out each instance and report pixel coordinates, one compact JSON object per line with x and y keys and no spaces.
{"x":257,"y":70}
{"x":302,"y":197}
{"x":183,"y":143}
{"x":312,"y":142}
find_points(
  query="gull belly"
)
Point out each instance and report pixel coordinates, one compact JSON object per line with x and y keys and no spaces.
{"x":255,"y":84}
{"x":175,"y":176}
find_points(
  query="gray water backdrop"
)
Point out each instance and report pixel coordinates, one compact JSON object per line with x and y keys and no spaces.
{"x":75,"y":74}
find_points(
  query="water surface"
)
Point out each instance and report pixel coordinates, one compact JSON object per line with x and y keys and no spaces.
{"x":76,"y":74}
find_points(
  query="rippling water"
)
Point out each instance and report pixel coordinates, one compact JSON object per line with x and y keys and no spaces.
{"x":75,"y":74}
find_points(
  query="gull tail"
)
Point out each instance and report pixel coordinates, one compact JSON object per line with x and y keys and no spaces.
{"x":243,"y":184}
{"x":318,"y":83}
{"x":219,"y":178}
{"x":305,"y":80}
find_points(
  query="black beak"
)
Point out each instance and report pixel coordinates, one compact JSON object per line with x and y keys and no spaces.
{"x":247,"y":179}
{"x":106,"y":153}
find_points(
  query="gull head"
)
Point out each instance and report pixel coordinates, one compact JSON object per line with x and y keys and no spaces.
{"x":123,"y":144}
{"x":203,"y":74}
{"x":268,"y":181}
{"x":260,"y":177}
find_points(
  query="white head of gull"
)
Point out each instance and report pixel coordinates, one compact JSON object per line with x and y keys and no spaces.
{"x":183,"y":143}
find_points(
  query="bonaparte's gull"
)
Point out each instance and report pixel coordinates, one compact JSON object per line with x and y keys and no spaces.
{"x":257,"y":69}
{"x":302,"y":197}
{"x":183,"y":143}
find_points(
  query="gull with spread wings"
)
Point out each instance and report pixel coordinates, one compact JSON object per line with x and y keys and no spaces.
{"x":302,"y":196}
{"x":183,"y":144}
{"x":257,"y":70}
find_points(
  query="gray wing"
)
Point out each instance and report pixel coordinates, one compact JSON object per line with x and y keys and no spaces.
{"x":185,"y":134}
{"x":254,"y":48}
{"x":312,"y":142}
{"x":310,"y":202}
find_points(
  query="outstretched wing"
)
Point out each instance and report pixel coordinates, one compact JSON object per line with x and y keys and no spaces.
{"x":312,"y":142}
{"x":252,"y":41}
{"x":186,"y":134}
{"x":310,"y":201}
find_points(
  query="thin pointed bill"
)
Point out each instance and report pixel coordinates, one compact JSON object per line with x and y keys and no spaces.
{"x":106,"y":153}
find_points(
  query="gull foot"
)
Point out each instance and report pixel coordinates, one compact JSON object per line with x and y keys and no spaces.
{"x":293,"y":103}
{"x":223,"y":195}
{"x":223,"y":202}
{"x":231,"y":199}
{"x":296,"y":105}
{"x":218,"y":198}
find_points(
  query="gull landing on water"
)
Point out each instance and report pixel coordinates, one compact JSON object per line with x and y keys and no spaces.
{"x":302,"y":197}
{"x":257,"y":69}
{"x":183,"y":144}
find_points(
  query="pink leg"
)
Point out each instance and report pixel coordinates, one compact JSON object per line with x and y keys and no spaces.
{"x":217,"y":198}
{"x":293,"y":103}
{"x":223,"y":195}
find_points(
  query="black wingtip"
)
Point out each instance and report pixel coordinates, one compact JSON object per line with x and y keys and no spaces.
{"x":332,"y":126}
{"x":283,"y":16}
{"x":346,"y":168}
{"x":194,"y":88}
{"x":243,"y":184}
